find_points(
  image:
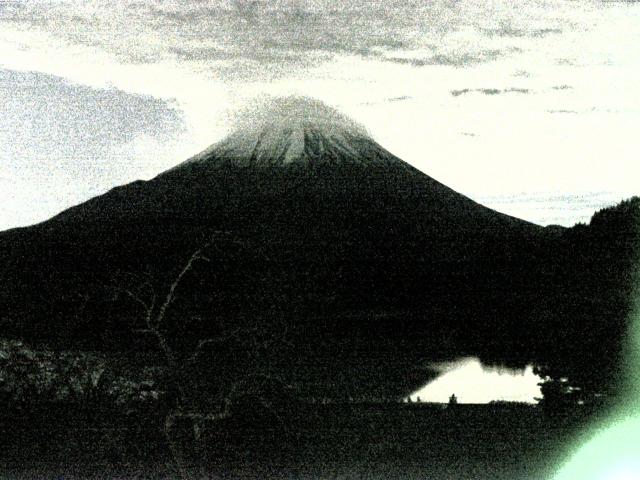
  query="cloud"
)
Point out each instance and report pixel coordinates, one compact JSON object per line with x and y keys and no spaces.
{"x":563,"y":111}
{"x":489,"y":91}
{"x":456,"y":59}
{"x":399,"y":99}
{"x":51,"y":110}
{"x":509,"y":31}
{"x":502,"y":91}
{"x":67,"y":140}
{"x":273,"y":37}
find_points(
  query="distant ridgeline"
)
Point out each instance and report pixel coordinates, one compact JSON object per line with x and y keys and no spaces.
{"x":327,"y":262}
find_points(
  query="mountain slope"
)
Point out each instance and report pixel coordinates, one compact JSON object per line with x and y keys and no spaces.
{"x":369,"y":266}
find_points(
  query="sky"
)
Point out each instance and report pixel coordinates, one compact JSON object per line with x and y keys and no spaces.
{"x":528,"y":107}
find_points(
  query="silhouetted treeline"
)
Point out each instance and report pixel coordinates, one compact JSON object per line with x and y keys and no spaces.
{"x":584,"y":313}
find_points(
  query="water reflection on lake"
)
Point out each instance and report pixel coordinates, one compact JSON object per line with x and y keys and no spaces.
{"x":473,"y":382}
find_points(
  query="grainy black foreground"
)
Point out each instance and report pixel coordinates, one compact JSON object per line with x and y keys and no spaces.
{"x":346,"y":441}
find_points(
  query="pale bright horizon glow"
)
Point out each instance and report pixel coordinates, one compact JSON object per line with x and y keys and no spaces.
{"x":471,"y":382}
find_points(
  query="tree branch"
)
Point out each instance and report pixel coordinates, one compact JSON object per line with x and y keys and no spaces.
{"x":136,"y":299}
{"x":235,"y":334}
{"x":197,"y":255}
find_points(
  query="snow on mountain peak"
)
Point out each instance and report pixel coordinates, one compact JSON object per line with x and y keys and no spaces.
{"x":291,"y":130}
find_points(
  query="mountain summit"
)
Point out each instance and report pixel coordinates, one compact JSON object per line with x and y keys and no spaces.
{"x":294,"y":130}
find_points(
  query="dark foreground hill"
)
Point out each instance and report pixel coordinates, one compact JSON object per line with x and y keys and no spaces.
{"x":330,"y":263}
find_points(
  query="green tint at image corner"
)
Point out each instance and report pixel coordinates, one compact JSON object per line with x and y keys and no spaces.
{"x":612,"y":451}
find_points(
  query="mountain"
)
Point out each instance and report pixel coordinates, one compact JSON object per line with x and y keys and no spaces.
{"x":295,"y":131}
{"x":354,"y":268}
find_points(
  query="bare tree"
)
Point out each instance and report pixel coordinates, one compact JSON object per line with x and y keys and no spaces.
{"x":153,"y":322}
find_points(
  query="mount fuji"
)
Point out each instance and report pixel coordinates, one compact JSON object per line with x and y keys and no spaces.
{"x":365,"y":268}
